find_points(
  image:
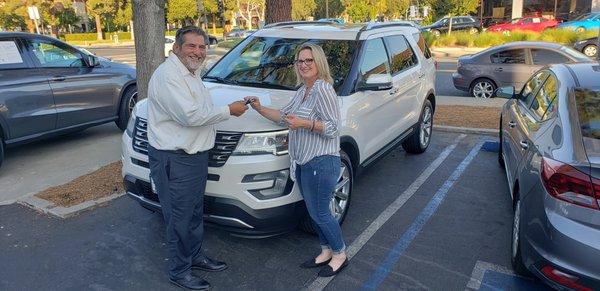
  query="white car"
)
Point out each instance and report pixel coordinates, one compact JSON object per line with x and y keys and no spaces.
{"x":170,"y":41}
{"x":384,"y":75}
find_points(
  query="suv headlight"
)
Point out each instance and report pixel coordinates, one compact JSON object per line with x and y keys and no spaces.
{"x":130,"y":125}
{"x":275,"y":143}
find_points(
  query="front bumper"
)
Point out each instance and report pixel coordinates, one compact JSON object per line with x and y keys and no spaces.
{"x":229,"y":202}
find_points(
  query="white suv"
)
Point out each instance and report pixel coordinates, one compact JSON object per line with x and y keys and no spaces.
{"x":384,"y":75}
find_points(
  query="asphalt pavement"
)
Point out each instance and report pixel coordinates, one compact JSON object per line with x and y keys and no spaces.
{"x":437,"y":221}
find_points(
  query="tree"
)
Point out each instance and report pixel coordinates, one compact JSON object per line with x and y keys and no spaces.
{"x":396,"y":8}
{"x":13,"y":14}
{"x":278,"y":10}
{"x":335,"y":9}
{"x":149,"y":21}
{"x":99,"y":9}
{"x":358,"y":10}
{"x":181,"y":11}
{"x":303,"y":9}
{"x":247,"y":9}
{"x":124,"y":14}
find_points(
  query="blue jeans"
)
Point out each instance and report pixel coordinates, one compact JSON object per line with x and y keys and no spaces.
{"x":316,"y":180}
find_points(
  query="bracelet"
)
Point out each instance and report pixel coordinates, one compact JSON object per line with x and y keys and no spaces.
{"x":312,"y":126}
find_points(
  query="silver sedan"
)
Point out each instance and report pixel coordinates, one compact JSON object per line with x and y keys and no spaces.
{"x":508,"y":65}
{"x":550,"y":150}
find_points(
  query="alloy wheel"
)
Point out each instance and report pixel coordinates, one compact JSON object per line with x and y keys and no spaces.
{"x":590,"y":50}
{"x":483,"y":89}
{"x":341,"y":194}
{"x":426,"y":125}
{"x":132,"y":102}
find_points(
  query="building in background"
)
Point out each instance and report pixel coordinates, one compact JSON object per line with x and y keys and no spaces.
{"x":494,"y":11}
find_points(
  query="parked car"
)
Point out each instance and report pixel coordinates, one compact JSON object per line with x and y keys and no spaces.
{"x":170,"y":41}
{"x":385,"y":78}
{"x":48,"y":87}
{"x":459,"y":23}
{"x":336,"y":20}
{"x":239,"y":33}
{"x":550,"y":150}
{"x":535,"y":24}
{"x":588,"y":47}
{"x":508,"y":65}
{"x":588,"y":21}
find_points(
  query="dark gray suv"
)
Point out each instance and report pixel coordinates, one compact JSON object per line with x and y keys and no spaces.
{"x":48,"y":87}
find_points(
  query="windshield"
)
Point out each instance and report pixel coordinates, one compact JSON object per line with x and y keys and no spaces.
{"x":515,"y":21}
{"x":269,"y":62}
{"x":575,"y":54}
{"x":441,"y":21}
{"x":583,"y":17}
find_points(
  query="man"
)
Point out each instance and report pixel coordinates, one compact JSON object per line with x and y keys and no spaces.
{"x":181,"y":116}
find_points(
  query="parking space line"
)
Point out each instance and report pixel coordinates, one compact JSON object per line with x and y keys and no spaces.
{"x":479,"y":271}
{"x":321,"y":282}
{"x":409,"y":235}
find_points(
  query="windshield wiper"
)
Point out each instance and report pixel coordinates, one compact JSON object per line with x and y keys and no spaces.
{"x":263,"y":84}
{"x":221,"y":80}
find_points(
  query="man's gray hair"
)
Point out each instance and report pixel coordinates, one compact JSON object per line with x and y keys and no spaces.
{"x":189,"y":29}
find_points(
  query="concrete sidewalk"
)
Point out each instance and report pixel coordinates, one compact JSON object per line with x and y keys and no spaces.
{"x":454,"y":52}
{"x":470,"y":101}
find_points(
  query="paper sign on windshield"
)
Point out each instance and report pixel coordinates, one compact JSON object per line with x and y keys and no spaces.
{"x":9,"y":53}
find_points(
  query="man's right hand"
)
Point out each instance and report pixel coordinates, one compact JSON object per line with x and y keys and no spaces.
{"x":237,"y":108}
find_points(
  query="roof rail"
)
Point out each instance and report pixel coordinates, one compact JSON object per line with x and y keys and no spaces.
{"x":292,"y":23}
{"x":374,"y":25}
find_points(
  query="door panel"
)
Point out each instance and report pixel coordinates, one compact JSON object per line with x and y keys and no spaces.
{"x":26,"y":101}
{"x":81,"y":93}
{"x":510,"y":67}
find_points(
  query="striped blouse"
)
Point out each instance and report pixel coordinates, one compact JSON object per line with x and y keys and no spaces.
{"x":322,"y":104}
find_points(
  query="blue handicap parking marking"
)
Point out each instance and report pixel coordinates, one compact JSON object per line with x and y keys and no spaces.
{"x":491,"y":146}
{"x":495,"y":281}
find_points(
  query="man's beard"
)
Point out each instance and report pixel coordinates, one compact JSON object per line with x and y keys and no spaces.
{"x":192,"y":63}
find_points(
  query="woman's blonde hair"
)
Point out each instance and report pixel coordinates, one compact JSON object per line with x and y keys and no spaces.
{"x":320,"y":62}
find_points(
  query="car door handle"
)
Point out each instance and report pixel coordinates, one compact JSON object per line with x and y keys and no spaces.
{"x":524,"y":145}
{"x":394,"y":90}
{"x":58,"y":78}
{"x":499,"y":69}
{"x":512,"y":124}
{"x":421,"y":76}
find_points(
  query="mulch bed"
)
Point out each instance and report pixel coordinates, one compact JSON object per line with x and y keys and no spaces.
{"x":467,"y":116}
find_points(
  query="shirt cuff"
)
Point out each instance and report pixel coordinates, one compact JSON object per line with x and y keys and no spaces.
{"x":225,"y":113}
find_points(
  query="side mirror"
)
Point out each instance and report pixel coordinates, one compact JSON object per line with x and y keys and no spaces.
{"x":93,"y":61}
{"x":505,"y":92}
{"x":376,"y":82}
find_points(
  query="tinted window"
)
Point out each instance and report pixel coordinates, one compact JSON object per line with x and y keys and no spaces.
{"x":269,"y":61}
{"x":588,"y":111}
{"x":545,"y":57}
{"x":401,"y":54}
{"x":375,"y":59}
{"x":457,"y":20}
{"x":11,"y":56}
{"x":532,"y":86}
{"x":51,"y":55}
{"x":422,"y":45}
{"x":509,"y":57}
{"x":543,"y":105}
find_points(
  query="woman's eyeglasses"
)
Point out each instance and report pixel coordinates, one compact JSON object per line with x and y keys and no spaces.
{"x":307,"y":62}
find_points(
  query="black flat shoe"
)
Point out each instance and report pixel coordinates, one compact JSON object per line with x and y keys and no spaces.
{"x":311,"y":264}
{"x":191,"y":282}
{"x":328,"y":271}
{"x":209,"y":265}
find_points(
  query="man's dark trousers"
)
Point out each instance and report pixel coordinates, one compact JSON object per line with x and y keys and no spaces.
{"x":180,"y":181}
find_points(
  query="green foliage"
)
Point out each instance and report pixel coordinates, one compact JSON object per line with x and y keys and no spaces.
{"x":396,"y":8}
{"x":302,"y":9}
{"x":335,"y":8}
{"x":488,"y":39}
{"x":180,"y":10}
{"x":80,"y":37}
{"x":358,"y":10}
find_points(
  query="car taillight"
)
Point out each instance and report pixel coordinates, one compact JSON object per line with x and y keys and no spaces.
{"x":566,"y":183}
{"x":563,"y":278}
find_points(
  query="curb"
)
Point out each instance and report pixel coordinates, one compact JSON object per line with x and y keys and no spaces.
{"x":47,"y":207}
{"x":468,"y":130}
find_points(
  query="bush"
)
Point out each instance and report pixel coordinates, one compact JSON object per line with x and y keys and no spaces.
{"x":81,"y":37}
{"x":446,"y":40}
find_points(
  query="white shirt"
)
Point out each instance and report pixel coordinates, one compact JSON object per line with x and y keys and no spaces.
{"x":180,"y":110}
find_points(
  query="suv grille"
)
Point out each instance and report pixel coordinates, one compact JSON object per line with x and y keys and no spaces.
{"x":225,"y":143}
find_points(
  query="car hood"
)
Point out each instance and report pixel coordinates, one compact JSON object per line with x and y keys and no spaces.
{"x":500,"y":26}
{"x":251,"y":121}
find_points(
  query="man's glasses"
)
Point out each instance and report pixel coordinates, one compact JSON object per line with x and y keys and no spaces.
{"x":307,"y":62}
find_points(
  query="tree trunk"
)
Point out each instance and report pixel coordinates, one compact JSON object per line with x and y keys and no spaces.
{"x":149,"y":21}
{"x":278,"y":10}
{"x":98,"y":26}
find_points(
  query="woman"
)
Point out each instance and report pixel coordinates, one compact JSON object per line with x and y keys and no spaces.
{"x":313,"y":117}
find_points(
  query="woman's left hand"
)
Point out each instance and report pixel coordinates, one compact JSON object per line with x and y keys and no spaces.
{"x":296,"y":122}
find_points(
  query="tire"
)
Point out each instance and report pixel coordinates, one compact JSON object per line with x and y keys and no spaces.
{"x":1,"y":150}
{"x":341,"y":197}
{"x":419,"y":141}
{"x":516,"y":258}
{"x":580,"y":29}
{"x":128,"y":101}
{"x":436,"y":32}
{"x":590,"y":50}
{"x":214,"y":41}
{"x":500,"y":158}
{"x":473,"y":30}
{"x":482,"y":88}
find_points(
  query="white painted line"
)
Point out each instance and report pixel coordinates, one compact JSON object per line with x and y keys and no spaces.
{"x":479,"y":271}
{"x":321,"y":282}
